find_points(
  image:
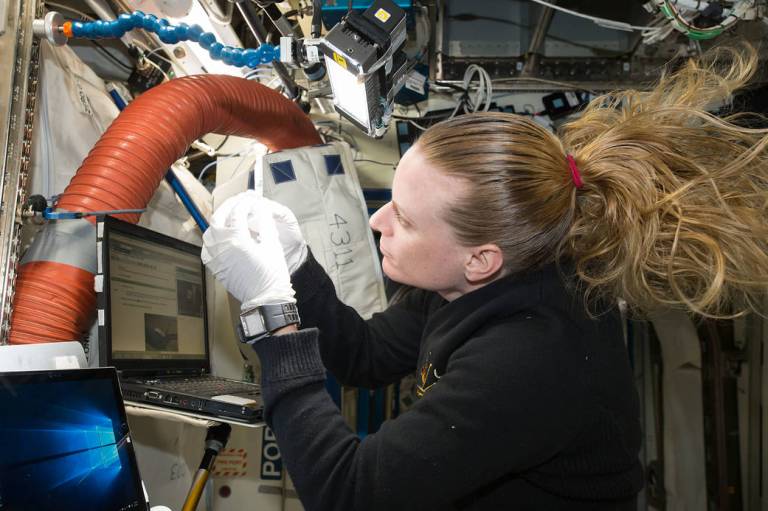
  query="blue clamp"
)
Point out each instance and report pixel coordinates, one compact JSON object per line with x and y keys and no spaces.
{"x":50,"y":214}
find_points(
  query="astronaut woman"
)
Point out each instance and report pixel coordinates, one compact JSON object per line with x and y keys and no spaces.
{"x":519,"y":244}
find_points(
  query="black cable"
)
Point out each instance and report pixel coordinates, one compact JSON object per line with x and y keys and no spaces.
{"x":106,"y":53}
{"x":222,"y":144}
{"x":317,"y":20}
{"x":199,"y":154}
{"x":463,"y":99}
{"x":451,"y":85}
{"x":252,"y":18}
{"x":424,"y":117}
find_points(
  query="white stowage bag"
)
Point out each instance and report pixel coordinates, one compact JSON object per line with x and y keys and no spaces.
{"x":74,"y":109}
{"x":320,"y":185}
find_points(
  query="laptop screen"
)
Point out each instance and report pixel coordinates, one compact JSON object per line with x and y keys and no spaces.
{"x":65,"y":443}
{"x":155,"y":288}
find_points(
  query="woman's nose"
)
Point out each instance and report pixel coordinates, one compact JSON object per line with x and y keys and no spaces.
{"x":378,"y":219}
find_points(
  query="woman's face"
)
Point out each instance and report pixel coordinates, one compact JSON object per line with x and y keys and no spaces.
{"x":418,"y":246}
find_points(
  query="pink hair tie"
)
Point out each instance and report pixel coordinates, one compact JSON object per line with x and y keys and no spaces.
{"x":575,"y":174}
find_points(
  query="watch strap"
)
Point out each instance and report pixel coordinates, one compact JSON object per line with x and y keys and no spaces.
{"x":261,"y":321}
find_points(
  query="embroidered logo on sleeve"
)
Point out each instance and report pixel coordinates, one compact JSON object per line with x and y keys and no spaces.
{"x":428,"y":377}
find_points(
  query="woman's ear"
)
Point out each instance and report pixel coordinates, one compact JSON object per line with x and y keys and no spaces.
{"x":484,"y":262}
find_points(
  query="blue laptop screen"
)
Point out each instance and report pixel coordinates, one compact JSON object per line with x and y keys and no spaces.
{"x":64,"y":443}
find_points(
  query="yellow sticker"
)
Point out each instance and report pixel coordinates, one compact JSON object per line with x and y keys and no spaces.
{"x":340,"y":60}
{"x":382,"y":15}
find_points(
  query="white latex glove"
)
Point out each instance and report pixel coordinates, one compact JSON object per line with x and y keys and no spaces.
{"x":242,"y":249}
{"x":294,"y":246}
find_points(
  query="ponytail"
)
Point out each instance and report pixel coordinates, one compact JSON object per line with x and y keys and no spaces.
{"x":673,"y":208}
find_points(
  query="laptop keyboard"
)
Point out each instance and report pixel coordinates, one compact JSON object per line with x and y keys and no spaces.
{"x":207,"y":386}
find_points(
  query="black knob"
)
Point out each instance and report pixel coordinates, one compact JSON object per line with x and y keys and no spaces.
{"x":37,"y":203}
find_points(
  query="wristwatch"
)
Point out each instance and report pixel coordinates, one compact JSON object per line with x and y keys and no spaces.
{"x":262,"y":321}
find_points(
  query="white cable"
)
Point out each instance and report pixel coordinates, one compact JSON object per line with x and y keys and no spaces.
{"x":419,"y":126}
{"x":663,"y":29}
{"x":258,"y":76}
{"x":561,"y":85}
{"x":70,"y":9}
{"x":484,"y":94}
{"x":243,"y":153}
{"x":606,"y":23}
{"x":272,"y":82}
{"x":148,"y":61}
{"x":148,"y":51}
{"x":659,"y":35}
{"x":155,"y":50}
{"x":259,"y":72}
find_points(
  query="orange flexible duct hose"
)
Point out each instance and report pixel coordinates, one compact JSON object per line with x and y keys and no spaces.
{"x":56,"y":301}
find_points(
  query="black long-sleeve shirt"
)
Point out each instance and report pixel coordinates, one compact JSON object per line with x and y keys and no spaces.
{"x":527,"y":403}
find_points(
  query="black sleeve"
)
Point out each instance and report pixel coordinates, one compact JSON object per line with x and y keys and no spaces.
{"x":506,"y":403}
{"x":360,"y":353}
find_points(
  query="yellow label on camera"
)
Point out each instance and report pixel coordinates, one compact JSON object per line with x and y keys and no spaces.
{"x":382,"y":15}
{"x":340,"y":60}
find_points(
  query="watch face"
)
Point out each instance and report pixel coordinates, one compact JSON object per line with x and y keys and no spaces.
{"x":253,"y":323}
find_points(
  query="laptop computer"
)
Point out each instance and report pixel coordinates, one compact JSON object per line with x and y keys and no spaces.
{"x":153,"y":325}
{"x":65,"y":443}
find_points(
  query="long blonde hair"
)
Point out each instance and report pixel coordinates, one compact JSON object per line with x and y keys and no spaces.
{"x":673,"y":207}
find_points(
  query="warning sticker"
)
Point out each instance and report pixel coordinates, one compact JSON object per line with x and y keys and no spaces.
{"x":231,"y":463}
{"x":382,"y":15}
{"x":340,"y":60}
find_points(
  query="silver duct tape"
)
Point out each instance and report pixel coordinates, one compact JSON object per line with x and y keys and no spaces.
{"x":71,"y":242}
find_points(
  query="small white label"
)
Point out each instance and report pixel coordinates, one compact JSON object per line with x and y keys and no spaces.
{"x":85,"y":102}
{"x":312,"y":54}
{"x":98,"y":283}
{"x":99,"y":269}
{"x":101,"y":317}
{"x":99,"y":230}
{"x":415,"y":81}
{"x":573,"y":101}
{"x":66,"y":362}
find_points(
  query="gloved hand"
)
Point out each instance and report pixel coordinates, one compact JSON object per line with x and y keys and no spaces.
{"x":242,"y":249}
{"x":294,"y":246}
